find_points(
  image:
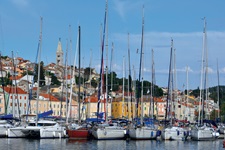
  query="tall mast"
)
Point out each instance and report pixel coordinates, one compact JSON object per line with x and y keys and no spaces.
{"x":111,"y":73}
{"x":66,"y":74}
{"x":88,"y":109}
{"x":13,"y":97}
{"x":123,"y":87}
{"x":101,"y":68}
{"x":187,"y":95}
{"x":134,"y":108}
{"x":106,"y":45}
{"x":79,"y":55}
{"x":140,"y":89}
{"x":175,"y":100}
{"x":111,"y":64}
{"x":152,"y":86}
{"x":203,"y":70}
{"x":130,"y":114}
{"x":218,"y":89}
{"x":168,"y":102}
{"x":74,"y":80}
{"x":206,"y":67}
{"x":39,"y":66}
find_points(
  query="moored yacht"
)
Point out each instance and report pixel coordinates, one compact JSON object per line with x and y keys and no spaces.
{"x":204,"y":133}
{"x":44,"y":129}
{"x":108,"y":131}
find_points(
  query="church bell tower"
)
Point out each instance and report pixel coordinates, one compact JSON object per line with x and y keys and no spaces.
{"x":59,"y":54}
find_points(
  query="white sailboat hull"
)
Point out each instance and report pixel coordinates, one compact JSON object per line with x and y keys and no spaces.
{"x":37,"y":132}
{"x":16,"y":132}
{"x":174,"y":133}
{"x":204,"y":134}
{"x":44,"y":129}
{"x":59,"y":132}
{"x":4,"y":126}
{"x":142,"y":133}
{"x":109,"y":132}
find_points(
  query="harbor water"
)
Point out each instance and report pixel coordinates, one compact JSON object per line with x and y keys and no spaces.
{"x":67,"y":144}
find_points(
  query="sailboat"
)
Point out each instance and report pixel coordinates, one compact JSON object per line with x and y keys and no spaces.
{"x":106,"y":130}
{"x":37,"y":128}
{"x":172,"y":131}
{"x":79,"y":131}
{"x":141,"y":130}
{"x":203,"y":130}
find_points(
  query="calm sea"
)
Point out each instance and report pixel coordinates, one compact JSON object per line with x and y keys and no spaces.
{"x":66,"y":144}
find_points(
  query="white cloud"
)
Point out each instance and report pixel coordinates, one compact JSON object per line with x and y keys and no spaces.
{"x":188,"y":51}
{"x":210,"y":70}
{"x":123,"y":7}
{"x":185,"y":69}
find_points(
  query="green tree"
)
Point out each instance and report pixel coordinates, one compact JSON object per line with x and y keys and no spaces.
{"x":42,"y":74}
{"x":54,"y":80}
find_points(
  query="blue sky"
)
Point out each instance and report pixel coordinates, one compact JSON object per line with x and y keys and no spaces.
{"x":180,"y":20}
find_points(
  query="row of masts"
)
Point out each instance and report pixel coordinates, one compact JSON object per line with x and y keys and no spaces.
{"x":104,"y":43}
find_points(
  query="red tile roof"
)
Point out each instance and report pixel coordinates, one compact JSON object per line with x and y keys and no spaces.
{"x":12,"y":90}
{"x":49,"y":96}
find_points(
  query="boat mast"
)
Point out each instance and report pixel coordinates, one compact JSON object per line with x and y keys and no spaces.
{"x":206,"y":70}
{"x":101,"y":68}
{"x":168,"y":102}
{"x":106,"y":47}
{"x":123,"y":87}
{"x":130,"y":114}
{"x":201,"y":101}
{"x":175,"y":98}
{"x":152,"y":85}
{"x":140,"y":89}
{"x":39,"y":66}
{"x":88,"y":109}
{"x":74,"y":79}
{"x":79,"y":63}
{"x":218,"y":90}
{"x":188,"y":117}
{"x":111,"y":73}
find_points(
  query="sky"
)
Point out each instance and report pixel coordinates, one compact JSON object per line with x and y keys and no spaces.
{"x":164,"y":20}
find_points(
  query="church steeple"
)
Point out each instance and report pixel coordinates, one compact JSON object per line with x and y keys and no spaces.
{"x":59,"y":54}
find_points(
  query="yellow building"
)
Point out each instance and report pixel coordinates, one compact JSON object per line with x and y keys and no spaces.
{"x":123,"y":109}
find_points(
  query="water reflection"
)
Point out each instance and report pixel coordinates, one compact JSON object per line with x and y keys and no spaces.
{"x":68,"y":144}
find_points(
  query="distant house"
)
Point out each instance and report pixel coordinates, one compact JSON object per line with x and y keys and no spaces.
{"x":15,"y":97}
